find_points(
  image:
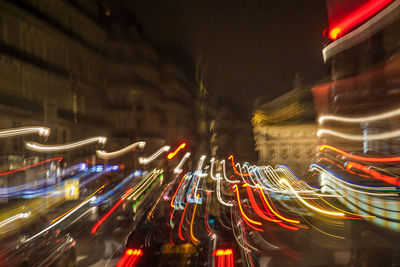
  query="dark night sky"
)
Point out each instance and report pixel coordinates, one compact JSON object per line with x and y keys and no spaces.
{"x":252,"y":48}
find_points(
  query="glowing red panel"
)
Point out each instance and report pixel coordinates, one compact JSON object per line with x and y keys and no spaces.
{"x":359,"y":16}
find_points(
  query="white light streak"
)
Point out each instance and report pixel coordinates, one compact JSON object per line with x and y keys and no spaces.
{"x":143,"y":160}
{"x":371,"y":137}
{"x":54,"y":148}
{"x":382,"y":116}
{"x":284,"y":181}
{"x":112,"y":155}
{"x":15,"y":217}
{"x":219,"y":194}
{"x":42,"y":131}
{"x":178,"y":168}
{"x":57,"y":222}
{"x":200,"y":165}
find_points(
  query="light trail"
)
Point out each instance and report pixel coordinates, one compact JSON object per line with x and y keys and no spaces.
{"x":66,"y":213}
{"x":147,"y":160}
{"x":61,"y":219}
{"x":234,"y":168}
{"x":176,"y":192}
{"x":194,"y":239}
{"x":377,"y":175}
{"x":101,"y":221}
{"x":23,"y":215}
{"x":256,"y":207}
{"x":382,"y":116}
{"x":219,"y":195}
{"x":112,"y":155}
{"x":33,"y":146}
{"x":171,"y":155}
{"x":352,"y":137}
{"x":235,"y":189}
{"x":223,"y":171}
{"x":42,"y":131}
{"x":181,"y":222}
{"x":178,"y":168}
{"x":59,"y":159}
{"x":284,"y":181}
{"x":361,"y":158}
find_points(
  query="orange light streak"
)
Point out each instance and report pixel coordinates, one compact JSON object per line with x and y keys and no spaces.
{"x":180,"y":147}
{"x":235,"y":170}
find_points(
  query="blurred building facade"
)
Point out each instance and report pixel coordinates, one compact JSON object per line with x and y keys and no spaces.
{"x":365,"y":71}
{"x":285,"y":131}
{"x":72,"y":66}
{"x":364,"y":60}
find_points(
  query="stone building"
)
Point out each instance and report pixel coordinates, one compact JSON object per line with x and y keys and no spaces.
{"x":72,"y":66}
{"x":285,"y":131}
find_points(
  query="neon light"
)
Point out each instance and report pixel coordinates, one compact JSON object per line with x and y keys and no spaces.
{"x":358,"y":17}
{"x":59,"y":159}
{"x":111,"y":155}
{"x":284,"y":181}
{"x":53,"y":148}
{"x":235,"y":188}
{"x":368,"y":159}
{"x":377,"y":175}
{"x":180,"y":147}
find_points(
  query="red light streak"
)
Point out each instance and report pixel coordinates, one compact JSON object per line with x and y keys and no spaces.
{"x":59,"y":159}
{"x":377,"y":175}
{"x":130,"y":258}
{"x":179,"y":186}
{"x":359,"y":16}
{"x":245,"y":217}
{"x":101,"y":221}
{"x":224,"y":256}
{"x":256,"y":207}
{"x":265,"y":202}
{"x":180,"y":147}
{"x":361,"y":158}
{"x":235,"y":170}
{"x":180,"y":224}
{"x":330,"y":161}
